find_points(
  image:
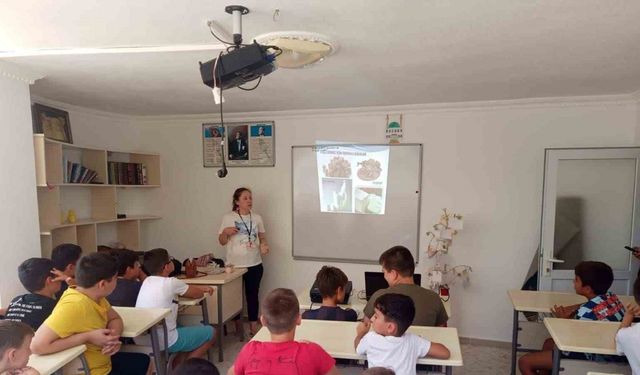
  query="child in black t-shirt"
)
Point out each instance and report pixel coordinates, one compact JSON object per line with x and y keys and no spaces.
{"x":33,"y":308}
{"x":331,"y":282}
{"x":130,"y":277}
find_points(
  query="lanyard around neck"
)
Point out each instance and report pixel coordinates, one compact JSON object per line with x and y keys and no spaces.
{"x":250,"y":228}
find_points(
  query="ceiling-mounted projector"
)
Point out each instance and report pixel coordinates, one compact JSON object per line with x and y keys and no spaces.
{"x":238,"y":67}
{"x":242,"y":63}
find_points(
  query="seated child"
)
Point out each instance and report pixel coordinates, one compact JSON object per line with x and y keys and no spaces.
{"x":389,"y":345}
{"x":83,"y":316}
{"x":628,"y":337}
{"x":280,"y":313}
{"x":398,"y":267}
{"x":15,"y":338}
{"x":331,"y":281}
{"x":196,"y":366}
{"x":592,"y":280}
{"x":64,"y":258}
{"x":129,"y":273}
{"x":159,"y":290}
{"x":36,"y":306}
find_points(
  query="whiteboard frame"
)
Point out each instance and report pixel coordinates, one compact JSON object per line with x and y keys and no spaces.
{"x":416,"y":253}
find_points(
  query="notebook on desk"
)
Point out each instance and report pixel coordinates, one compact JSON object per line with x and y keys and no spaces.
{"x":373,"y":281}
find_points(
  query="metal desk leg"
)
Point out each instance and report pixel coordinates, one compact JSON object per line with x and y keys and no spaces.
{"x":220,"y":329}
{"x":85,"y":365}
{"x":205,"y":320}
{"x":514,"y":342}
{"x":155,"y":345}
{"x":556,"y":361}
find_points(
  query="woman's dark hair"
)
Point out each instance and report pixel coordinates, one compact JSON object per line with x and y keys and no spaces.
{"x":236,"y":196}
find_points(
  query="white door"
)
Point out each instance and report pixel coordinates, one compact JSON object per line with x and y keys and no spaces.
{"x":590,"y":211}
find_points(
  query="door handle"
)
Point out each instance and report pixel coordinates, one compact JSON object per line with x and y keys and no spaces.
{"x":554,"y":260}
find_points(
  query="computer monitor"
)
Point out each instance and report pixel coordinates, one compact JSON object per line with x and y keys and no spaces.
{"x":373,"y":281}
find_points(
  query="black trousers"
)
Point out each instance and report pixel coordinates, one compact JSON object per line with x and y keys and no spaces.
{"x":251,"y":288}
{"x":129,"y":364}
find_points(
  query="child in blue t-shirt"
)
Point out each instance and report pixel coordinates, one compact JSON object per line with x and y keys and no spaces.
{"x":331,"y":282}
{"x":592,"y":280}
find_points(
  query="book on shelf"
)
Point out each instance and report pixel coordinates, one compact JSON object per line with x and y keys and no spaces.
{"x":75,"y":173}
{"x":121,"y":173}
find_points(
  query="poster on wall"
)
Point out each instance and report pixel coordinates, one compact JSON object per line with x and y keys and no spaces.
{"x":246,"y":144}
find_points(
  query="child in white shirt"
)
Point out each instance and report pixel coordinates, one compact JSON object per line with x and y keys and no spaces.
{"x":160,"y":291}
{"x":628,"y":336}
{"x":389,"y":345}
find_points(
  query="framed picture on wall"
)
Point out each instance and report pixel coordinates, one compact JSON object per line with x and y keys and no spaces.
{"x":52,"y":122}
{"x":246,"y":144}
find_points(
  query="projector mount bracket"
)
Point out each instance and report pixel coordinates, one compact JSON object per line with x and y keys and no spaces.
{"x":237,"y":11}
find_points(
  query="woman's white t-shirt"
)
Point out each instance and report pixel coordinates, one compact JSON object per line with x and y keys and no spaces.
{"x":243,"y":250}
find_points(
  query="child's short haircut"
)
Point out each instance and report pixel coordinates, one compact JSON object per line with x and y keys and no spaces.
{"x":398,"y":309}
{"x":378,"y":371}
{"x":597,"y":275}
{"x":33,"y":273}
{"x":126,"y":259}
{"x":280,"y":309}
{"x":65,"y":254}
{"x":329,"y":279}
{"x":155,"y":260}
{"x":196,"y":366}
{"x":94,"y":268}
{"x":399,"y":259}
{"x":12,"y":335}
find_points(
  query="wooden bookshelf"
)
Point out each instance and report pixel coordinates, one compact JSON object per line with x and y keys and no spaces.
{"x":96,"y":204}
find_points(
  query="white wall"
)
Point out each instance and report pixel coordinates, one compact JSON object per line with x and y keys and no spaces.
{"x":19,"y":232}
{"x":485,"y":162}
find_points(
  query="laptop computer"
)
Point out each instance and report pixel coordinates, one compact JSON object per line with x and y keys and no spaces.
{"x":373,"y":281}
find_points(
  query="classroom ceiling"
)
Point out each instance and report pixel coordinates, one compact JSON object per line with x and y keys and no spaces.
{"x":391,"y":52}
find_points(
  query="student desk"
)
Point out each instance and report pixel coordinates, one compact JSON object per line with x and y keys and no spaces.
{"x":52,"y":363}
{"x":540,"y":302}
{"x":581,"y":336}
{"x":355,"y":303}
{"x":337,"y":339}
{"x":137,"y":321}
{"x":185,"y":302}
{"x":227,"y":299}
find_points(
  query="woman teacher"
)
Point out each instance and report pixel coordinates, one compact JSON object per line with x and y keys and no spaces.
{"x":242,"y":232}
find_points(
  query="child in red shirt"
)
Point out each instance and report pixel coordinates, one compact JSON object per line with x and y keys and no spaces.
{"x":282,"y":355}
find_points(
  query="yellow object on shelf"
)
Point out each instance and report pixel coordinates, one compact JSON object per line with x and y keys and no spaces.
{"x":71,"y":217}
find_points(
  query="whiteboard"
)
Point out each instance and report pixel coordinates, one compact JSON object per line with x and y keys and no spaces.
{"x":353,"y":237}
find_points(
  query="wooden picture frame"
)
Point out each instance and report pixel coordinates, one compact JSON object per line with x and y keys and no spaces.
{"x":246,"y":144}
{"x":52,"y":122}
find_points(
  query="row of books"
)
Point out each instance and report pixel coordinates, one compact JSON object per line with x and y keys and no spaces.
{"x":75,"y":173}
{"x":127,"y":173}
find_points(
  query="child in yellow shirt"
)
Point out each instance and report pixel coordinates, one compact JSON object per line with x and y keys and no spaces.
{"x":83,"y":316}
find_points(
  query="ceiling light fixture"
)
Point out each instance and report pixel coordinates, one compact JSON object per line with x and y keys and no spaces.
{"x":300,"y":49}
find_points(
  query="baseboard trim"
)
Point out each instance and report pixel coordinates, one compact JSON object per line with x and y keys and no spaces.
{"x":483,"y":342}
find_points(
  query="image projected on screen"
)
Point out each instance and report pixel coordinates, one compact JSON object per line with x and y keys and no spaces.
{"x":352,"y":179}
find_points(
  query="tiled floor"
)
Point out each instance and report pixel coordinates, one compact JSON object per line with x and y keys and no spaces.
{"x":478,"y":360}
